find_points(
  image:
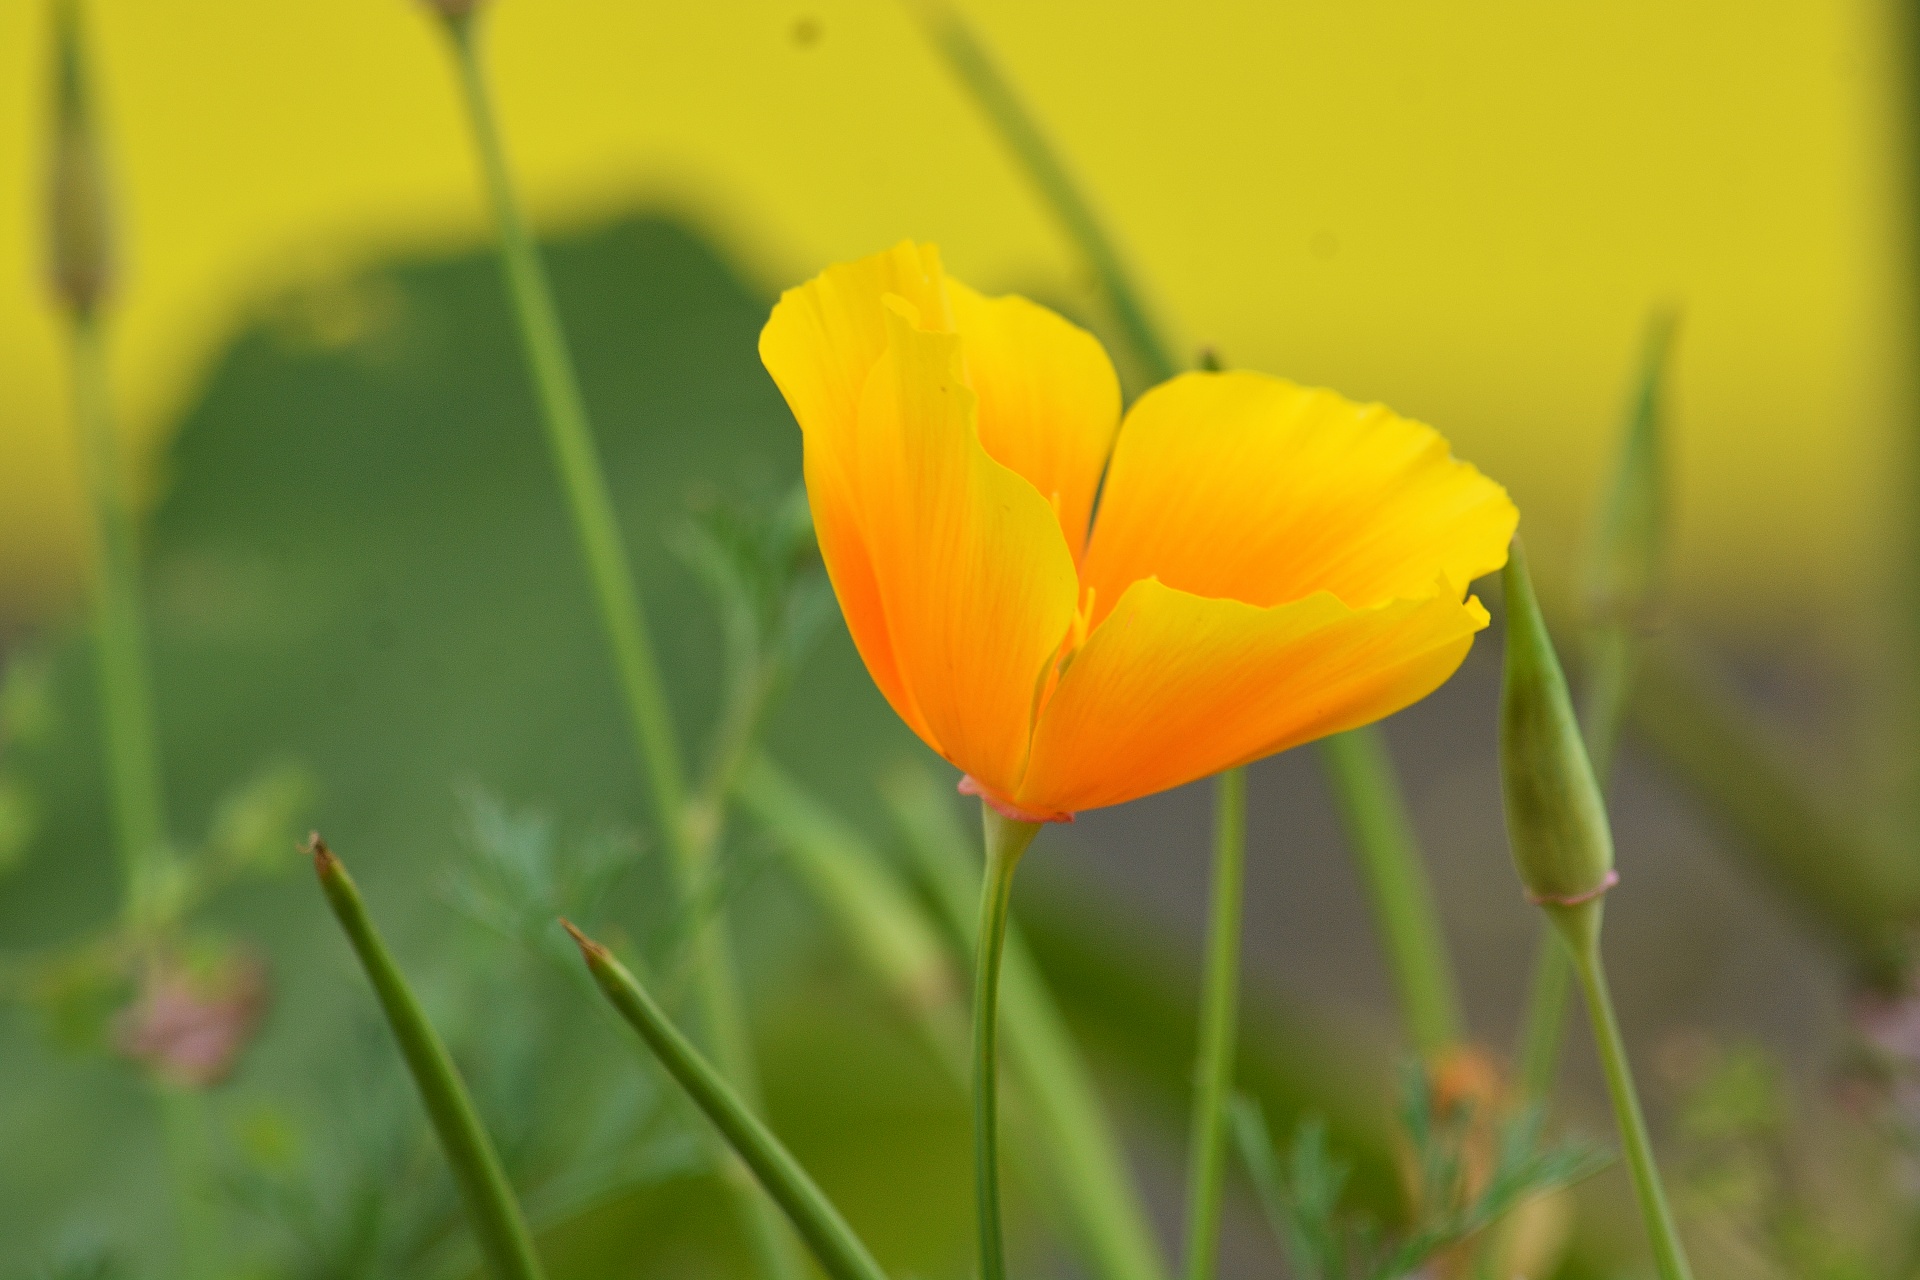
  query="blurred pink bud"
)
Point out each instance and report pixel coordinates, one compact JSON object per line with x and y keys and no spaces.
{"x":190,"y":1028}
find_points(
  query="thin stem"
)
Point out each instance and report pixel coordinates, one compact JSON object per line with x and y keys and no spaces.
{"x":1219,"y":1022}
{"x":840,"y":1252}
{"x":1071,"y":1131}
{"x":576,"y":455}
{"x":126,"y":703}
{"x":495,"y":1215}
{"x":997,"y":99}
{"x":622,"y":613}
{"x":1375,"y":817}
{"x":1579,"y":928}
{"x":150,"y":898}
{"x":1006,"y":841}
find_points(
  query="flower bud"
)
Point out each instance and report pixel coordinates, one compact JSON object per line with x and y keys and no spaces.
{"x":1556,"y":822}
{"x":1626,"y":565}
{"x":189,"y":1025}
{"x":454,"y":9}
{"x":79,"y":224}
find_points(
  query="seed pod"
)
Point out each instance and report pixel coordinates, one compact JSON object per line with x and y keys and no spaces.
{"x":1556,"y":823}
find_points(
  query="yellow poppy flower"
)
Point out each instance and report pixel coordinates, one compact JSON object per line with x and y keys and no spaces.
{"x":1269,"y":564}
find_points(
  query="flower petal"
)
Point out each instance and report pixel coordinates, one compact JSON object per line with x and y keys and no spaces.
{"x":976,"y":581}
{"x":1246,"y":487}
{"x":1173,"y":686}
{"x":820,"y":345}
{"x":1049,"y":399}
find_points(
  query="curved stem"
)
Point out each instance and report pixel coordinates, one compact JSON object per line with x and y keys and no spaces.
{"x":1213,"y":1083}
{"x":841,"y":1253}
{"x":997,"y":99}
{"x":575,"y":453}
{"x":1006,"y":840}
{"x":1579,"y":928}
{"x":497,"y":1221}
{"x":622,"y":616}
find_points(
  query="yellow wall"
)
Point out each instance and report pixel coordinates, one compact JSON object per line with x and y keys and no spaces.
{"x":1464,"y":209}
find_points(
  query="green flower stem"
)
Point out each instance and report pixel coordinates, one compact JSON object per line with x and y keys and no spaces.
{"x":81,"y":253}
{"x":1071,"y":1131}
{"x":1367,"y":794}
{"x":151,"y":895}
{"x":1579,"y":929}
{"x":1219,"y":1021}
{"x":622,"y":613}
{"x":1006,"y":841}
{"x":902,"y":948}
{"x":577,"y":457}
{"x":492,"y":1210}
{"x":973,"y":65}
{"x":126,"y":704}
{"x":839,"y":1251}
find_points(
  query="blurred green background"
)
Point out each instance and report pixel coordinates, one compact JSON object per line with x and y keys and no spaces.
{"x":360,"y":572}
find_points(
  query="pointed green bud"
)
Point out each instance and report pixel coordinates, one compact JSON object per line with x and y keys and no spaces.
{"x":1627,"y":563}
{"x":80,"y":224}
{"x":1556,"y":822}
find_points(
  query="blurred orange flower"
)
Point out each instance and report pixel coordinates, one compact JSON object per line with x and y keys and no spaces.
{"x":1269,"y":564}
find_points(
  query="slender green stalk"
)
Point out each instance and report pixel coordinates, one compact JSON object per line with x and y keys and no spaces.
{"x":973,"y":65}
{"x":839,"y":1251}
{"x":1367,"y":794}
{"x":82,"y":260}
{"x":622,"y":613}
{"x":1579,"y":929}
{"x":1219,"y":1022}
{"x":126,"y":704}
{"x":576,"y":455}
{"x":1071,"y":1131}
{"x":495,"y":1215}
{"x":1006,"y":841}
